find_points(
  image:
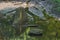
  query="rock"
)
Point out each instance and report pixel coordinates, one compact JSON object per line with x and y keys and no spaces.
{"x":35,"y":32}
{"x":42,"y":0}
{"x":33,"y":25}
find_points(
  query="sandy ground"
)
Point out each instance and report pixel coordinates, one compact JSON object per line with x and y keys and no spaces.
{"x":4,"y":5}
{"x":13,"y":4}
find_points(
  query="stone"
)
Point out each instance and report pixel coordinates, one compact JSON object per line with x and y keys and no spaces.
{"x":35,"y":32}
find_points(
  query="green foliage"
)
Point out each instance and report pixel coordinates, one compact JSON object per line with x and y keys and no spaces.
{"x":49,"y":25}
{"x":6,"y":27}
{"x":56,"y":6}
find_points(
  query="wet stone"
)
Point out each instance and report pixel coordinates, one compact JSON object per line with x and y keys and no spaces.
{"x":35,"y":32}
{"x":42,"y":0}
{"x":32,"y":25}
